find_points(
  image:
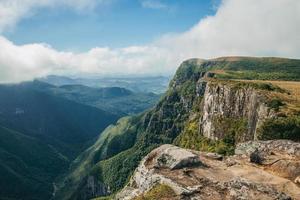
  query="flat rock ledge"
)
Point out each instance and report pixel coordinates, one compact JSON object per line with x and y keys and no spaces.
{"x":199,"y":176}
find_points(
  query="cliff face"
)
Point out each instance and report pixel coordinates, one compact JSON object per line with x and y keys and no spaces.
{"x":218,"y":107}
{"x":225,"y":101}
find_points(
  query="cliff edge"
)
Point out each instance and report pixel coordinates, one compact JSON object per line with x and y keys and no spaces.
{"x":254,"y":172}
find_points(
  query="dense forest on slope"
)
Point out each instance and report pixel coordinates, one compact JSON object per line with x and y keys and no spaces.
{"x":177,"y":118}
{"x":65,"y":124}
{"x":28,"y":166}
{"x":40,"y":135}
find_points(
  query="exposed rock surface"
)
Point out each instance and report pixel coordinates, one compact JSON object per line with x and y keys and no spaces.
{"x":270,"y":147}
{"x":200,"y":175}
{"x":172,"y":157}
{"x":279,"y":156}
{"x":228,"y":101}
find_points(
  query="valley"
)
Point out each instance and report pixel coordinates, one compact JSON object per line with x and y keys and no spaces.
{"x":43,"y":128}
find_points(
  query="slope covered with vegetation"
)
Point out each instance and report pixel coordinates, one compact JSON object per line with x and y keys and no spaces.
{"x":267,"y":68}
{"x":40,"y":134}
{"x":175,"y":119}
{"x":28,"y":166}
{"x":64,"y":124}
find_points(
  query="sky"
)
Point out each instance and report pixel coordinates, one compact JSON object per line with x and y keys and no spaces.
{"x":138,"y":37}
{"x":114,"y":24}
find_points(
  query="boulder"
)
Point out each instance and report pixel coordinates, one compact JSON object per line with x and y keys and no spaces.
{"x":256,"y":157}
{"x":173,"y":157}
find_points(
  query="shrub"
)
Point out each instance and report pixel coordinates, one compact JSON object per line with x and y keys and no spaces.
{"x":160,"y":191}
{"x":280,"y":128}
{"x":275,"y":104}
{"x":191,"y":138}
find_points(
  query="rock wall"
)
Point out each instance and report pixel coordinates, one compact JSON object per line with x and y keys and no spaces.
{"x":216,"y":101}
{"x":228,"y":101}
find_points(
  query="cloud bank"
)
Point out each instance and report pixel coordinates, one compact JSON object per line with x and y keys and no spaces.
{"x":248,"y":27}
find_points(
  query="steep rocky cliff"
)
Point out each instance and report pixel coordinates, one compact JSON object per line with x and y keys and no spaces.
{"x":205,"y":108}
{"x":223,"y":101}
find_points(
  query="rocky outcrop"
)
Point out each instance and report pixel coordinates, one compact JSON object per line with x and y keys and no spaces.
{"x":200,"y":175}
{"x":172,"y":157}
{"x":167,"y":157}
{"x":278,"y":156}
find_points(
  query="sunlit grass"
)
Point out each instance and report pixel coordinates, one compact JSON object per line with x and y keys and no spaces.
{"x":159,"y":191}
{"x":291,"y":97}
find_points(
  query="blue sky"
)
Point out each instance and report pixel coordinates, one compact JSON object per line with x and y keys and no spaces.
{"x":117,"y":24}
{"x":138,"y":37}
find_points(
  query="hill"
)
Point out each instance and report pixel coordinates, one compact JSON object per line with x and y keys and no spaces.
{"x":147,"y":84}
{"x":116,"y":100}
{"x":28,"y":166}
{"x":40,"y":134}
{"x":203,"y":109}
{"x":51,"y":118}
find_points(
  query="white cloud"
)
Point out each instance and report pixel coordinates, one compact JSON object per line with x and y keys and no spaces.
{"x":19,"y":63}
{"x":248,"y":27}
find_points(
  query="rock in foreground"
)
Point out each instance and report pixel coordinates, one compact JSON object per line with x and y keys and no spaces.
{"x":198,"y":175}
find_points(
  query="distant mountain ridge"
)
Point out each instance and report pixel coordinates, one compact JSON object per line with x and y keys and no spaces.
{"x":116,"y":100}
{"x":147,"y":84}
